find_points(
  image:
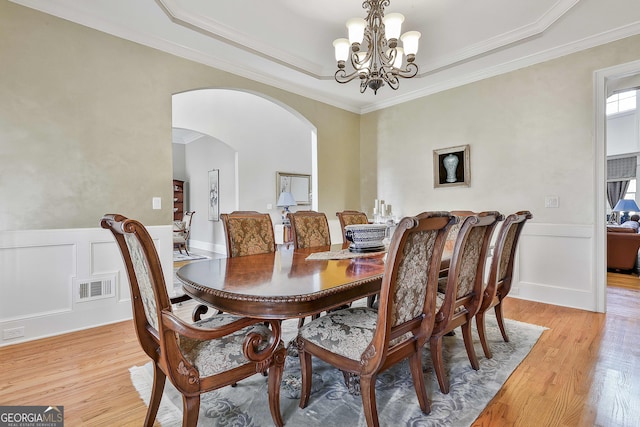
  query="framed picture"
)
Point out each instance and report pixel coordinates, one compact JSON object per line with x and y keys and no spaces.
{"x":214,"y":195}
{"x":451,"y":167}
{"x":298,"y":184}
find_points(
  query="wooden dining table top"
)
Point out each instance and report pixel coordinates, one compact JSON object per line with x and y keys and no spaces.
{"x":282,"y":284}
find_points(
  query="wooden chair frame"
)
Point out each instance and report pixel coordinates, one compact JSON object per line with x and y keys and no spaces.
{"x":161,"y":343}
{"x":380,"y":355}
{"x":501,"y":275}
{"x":459,"y":310}
{"x":186,"y":233}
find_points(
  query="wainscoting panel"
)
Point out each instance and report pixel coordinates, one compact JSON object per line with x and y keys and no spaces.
{"x":42,"y":272}
{"x":555,"y":265}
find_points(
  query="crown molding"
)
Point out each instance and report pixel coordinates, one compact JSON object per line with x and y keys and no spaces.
{"x":233,"y":37}
{"x":519,"y":34}
{"x":549,"y":54}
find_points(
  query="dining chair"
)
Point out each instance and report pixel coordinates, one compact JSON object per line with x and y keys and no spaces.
{"x":309,"y":229}
{"x":500,"y":275}
{"x":349,"y":218}
{"x":363,"y":342}
{"x":196,"y":357}
{"x":182,"y":231}
{"x":248,"y":233}
{"x":463,"y":288}
{"x":451,"y":240}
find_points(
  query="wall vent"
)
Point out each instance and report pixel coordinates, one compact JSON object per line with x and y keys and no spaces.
{"x":95,"y":288}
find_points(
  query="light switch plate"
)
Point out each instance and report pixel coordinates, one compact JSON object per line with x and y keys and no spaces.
{"x":551,"y":202}
{"x":156,"y":203}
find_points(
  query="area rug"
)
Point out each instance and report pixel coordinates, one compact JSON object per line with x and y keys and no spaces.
{"x":179,"y":257}
{"x":331,"y":404}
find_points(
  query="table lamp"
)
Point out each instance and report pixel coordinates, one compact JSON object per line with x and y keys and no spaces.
{"x":625,"y":206}
{"x":284,"y":201}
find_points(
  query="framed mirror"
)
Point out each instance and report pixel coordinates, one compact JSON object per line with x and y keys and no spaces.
{"x":299,"y":185}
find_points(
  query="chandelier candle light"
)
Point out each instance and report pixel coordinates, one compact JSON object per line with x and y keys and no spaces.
{"x":382,"y":62}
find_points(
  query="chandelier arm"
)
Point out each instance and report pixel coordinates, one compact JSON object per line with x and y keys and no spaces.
{"x":341,"y":76}
{"x":410,"y":70}
{"x":375,"y":65}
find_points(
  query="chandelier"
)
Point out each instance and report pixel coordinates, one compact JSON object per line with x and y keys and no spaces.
{"x":382,"y":62}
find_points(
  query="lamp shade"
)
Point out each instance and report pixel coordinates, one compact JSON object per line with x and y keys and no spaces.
{"x":286,"y":199}
{"x":625,"y":205}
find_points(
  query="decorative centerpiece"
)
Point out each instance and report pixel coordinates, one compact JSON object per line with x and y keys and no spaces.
{"x":365,"y":237}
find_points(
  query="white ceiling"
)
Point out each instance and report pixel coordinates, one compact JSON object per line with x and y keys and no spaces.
{"x":287,"y":43}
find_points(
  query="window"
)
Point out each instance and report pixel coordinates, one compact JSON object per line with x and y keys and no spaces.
{"x":621,"y":102}
{"x":631,"y":191}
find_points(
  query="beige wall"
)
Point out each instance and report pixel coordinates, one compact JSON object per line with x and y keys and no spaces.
{"x":530,"y":134}
{"x":85,"y":115}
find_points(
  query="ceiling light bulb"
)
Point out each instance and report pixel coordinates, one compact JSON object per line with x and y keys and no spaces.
{"x":410,"y":42}
{"x":392,"y":25}
{"x":356,"y":28}
{"x":341,"y":47}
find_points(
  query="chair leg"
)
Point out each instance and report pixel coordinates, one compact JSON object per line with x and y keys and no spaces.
{"x":468,"y":345}
{"x":368,"y":392}
{"x":275,"y":377}
{"x":482,"y":333}
{"x":191,"y":408}
{"x":435,"y":345}
{"x":305,"y":371}
{"x":500,"y":319}
{"x":415,"y":363}
{"x":159,"y":379}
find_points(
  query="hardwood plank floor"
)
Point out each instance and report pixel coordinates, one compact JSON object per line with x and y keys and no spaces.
{"x":584,"y":371}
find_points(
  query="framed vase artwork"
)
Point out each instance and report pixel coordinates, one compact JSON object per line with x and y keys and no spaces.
{"x":451,"y":167}
{"x":214,"y":195}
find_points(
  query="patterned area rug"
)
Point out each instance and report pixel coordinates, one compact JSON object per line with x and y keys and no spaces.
{"x":179,"y":257}
{"x":332,"y":405}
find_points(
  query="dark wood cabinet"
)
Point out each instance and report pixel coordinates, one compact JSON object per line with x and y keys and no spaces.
{"x":178,"y":200}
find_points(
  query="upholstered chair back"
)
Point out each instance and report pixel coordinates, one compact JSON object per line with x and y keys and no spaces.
{"x":148,"y":291}
{"x":465,"y":277}
{"x":248,"y":233}
{"x":412,"y":269}
{"x":309,"y":229}
{"x":351,"y":218}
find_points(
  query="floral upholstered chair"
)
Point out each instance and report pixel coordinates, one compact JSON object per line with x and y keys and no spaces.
{"x":363,"y":342}
{"x":248,"y":233}
{"x":463,"y":288}
{"x":182,"y":231}
{"x":350,"y":218}
{"x":309,"y":229}
{"x":198,"y":357}
{"x":501,"y":274}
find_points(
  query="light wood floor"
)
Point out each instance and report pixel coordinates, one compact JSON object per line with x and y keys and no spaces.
{"x":584,"y":371}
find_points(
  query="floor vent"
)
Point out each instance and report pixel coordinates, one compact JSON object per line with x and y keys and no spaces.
{"x":96,"y":288}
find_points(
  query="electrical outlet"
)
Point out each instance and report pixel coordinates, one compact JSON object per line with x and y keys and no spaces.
{"x":269,"y":206}
{"x":156,"y":203}
{"x":13,"y":333}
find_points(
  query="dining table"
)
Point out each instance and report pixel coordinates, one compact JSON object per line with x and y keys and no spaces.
{"x":284,"y":284}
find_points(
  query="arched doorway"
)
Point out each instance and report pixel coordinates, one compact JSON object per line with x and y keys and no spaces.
{"x":266,"y":137}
